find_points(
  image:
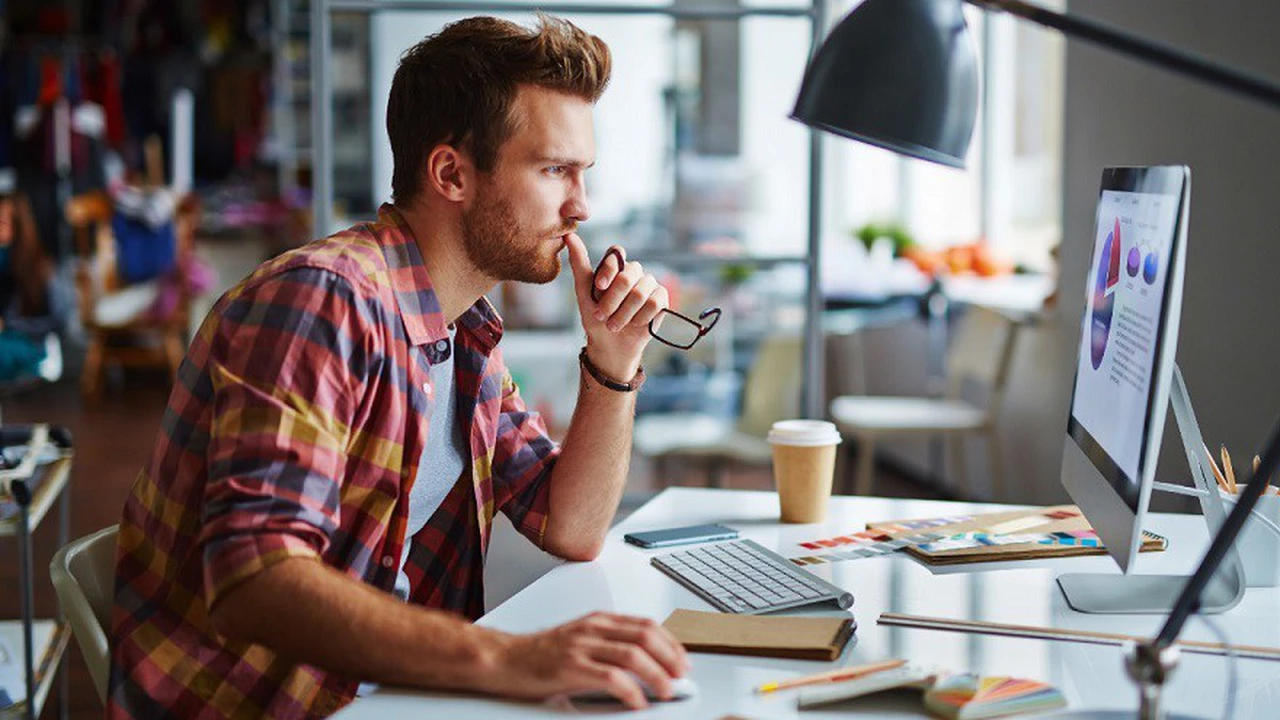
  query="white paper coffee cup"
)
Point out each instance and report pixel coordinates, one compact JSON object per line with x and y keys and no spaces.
{"x":804,"y":461}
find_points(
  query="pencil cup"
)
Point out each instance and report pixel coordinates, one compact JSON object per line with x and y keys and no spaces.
{"x":804,"y":461}
{"x":1258,"y":545}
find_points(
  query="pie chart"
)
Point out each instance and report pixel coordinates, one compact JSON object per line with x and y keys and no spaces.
{"x":1151,"y":268}
{"x":1104,"y":290}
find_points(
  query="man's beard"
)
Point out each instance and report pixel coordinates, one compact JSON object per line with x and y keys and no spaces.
{"x":499,"y":247}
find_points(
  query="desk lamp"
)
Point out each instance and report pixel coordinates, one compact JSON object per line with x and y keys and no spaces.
{"x":903,"y":75}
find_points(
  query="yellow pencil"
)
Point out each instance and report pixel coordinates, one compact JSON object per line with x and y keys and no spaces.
{"x":1230,"y":472}
{"x":830,"y":676}
{"x":1217,"y":474}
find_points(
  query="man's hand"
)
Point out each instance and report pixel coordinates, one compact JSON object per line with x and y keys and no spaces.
{"x":617,"y":325}
{"x":601,"y":651}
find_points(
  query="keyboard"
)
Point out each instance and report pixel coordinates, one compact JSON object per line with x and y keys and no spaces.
{"x":741,"y":576}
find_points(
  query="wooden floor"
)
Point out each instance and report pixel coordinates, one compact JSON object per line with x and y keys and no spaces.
{"x":112,"y":442}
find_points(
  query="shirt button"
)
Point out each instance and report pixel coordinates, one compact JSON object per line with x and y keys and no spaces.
{"x":426,"y":388}
{"x":442,"y":345}
{"x":388,"y":561}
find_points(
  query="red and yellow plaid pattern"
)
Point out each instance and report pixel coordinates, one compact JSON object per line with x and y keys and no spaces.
{"x":294,"y":430}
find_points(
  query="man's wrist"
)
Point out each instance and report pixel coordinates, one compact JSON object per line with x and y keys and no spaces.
{"x":621,"y":369}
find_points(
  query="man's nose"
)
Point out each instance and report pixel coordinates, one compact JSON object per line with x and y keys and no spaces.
{"x":576,"y":207}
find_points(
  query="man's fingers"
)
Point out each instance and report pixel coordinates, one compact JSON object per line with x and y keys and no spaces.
{"x":656,"y":640}
{"x":620,"y":684}
{"x":619,"y":287}
{"x":609,"y":270}
{"x":579,"y":264}
{"x":652,"y":308}
{"x":633,"y":302}
{"x":635,"y":659}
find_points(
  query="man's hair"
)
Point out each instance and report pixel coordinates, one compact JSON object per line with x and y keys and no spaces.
{"x":458,"y":87}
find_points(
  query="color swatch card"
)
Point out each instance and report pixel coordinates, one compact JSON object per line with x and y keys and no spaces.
{"x":1058,"y":531}
{"x":970,"y":697}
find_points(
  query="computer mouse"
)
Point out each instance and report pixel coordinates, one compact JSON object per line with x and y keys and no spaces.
{"x":682,"y":688}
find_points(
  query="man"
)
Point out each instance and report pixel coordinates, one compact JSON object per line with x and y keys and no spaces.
{"x":343,"y":428}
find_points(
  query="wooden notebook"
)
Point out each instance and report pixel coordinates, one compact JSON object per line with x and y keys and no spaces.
{"x":798,"y":638}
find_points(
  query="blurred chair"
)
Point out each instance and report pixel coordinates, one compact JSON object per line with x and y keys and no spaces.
{"x":118,"y":323}
{"x":981,"y":353}
{"x":771,"y":392}
{"x":84,"y":576}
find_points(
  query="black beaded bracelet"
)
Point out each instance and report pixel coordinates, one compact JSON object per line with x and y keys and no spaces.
{"x":607,"y":381}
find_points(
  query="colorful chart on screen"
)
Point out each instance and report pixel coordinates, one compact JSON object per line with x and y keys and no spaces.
{"x":1104,"y":291}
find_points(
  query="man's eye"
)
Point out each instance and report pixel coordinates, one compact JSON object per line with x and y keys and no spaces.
{"x":555,"y":169}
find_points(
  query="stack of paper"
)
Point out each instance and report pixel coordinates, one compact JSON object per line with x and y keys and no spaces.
{"x":969,"y":697}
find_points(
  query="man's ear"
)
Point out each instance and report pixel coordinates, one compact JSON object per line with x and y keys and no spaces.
{"x":449,"y":172}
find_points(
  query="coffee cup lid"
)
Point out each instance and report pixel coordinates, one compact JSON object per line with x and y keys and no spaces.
{"x":805,"y":433}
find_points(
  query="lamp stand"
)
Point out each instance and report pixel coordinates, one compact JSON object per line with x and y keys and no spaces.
{"x":1149,"y":666}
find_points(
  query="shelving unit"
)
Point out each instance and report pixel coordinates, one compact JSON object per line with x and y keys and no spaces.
{"x":38,"y":644}
{"x":322,"y":94}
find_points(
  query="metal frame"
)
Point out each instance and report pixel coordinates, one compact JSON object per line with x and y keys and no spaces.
{"x":23,"y":497}
{"x":322,"y":130}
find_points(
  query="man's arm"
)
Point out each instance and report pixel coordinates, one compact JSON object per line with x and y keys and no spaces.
{"x":347,"y":627}
{"x":587,"y":479}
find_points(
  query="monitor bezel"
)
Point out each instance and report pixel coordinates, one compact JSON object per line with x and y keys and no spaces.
{"x":1174,"y":182}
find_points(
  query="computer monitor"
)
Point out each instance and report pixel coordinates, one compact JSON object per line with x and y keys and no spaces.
{"x":1126,"y":356}
{"x":1124,"y":374}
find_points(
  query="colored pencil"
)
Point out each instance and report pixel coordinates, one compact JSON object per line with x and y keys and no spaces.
{"x":1217,"y":474}
{"x":1229,"y":471}
{"x":830,"y":676}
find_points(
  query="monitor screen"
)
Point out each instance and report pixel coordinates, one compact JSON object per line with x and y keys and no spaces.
{"x":1122,"y":333}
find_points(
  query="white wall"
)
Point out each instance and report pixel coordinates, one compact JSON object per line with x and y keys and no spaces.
{"x":1120,"y":112}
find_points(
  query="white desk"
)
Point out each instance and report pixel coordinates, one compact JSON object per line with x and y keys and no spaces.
{"x":622,"y":580}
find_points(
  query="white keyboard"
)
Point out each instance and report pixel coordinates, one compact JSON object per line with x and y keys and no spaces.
{"x":741,"y":576}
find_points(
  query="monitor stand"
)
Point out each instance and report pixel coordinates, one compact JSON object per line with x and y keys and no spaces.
{"x":1149,"y":594}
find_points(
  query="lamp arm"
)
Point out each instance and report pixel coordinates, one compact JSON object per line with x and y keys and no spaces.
{"x":1201,"y":68}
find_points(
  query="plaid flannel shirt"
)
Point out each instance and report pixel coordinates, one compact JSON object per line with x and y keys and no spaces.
{"x":295,"y":429}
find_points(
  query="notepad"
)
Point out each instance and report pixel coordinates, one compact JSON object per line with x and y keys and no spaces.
{"x":800,"y":638}
{"x":954,"y":697}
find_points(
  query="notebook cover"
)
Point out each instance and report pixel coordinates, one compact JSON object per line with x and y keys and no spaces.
{"x":1059,"y":518}
{"x":782,"y":636}
{"x":908,"y":677}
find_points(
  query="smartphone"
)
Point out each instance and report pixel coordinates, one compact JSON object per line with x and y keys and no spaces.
{"x":680,"y":536}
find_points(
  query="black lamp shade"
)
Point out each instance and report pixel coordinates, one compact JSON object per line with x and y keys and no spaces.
{"x":898,"y":74}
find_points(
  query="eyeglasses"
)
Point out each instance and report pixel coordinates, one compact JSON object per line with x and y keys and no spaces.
{"x":678,"y":331}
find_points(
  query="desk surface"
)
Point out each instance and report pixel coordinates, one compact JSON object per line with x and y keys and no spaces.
{"x":622,"y":580}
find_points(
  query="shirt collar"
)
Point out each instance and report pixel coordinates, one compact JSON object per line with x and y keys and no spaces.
{"x":424,"y":321}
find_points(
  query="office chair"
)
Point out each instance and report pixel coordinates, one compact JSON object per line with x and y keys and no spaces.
{"x":771,"y":392}
{"x":84,"y":576}
{"x":981,"y":353}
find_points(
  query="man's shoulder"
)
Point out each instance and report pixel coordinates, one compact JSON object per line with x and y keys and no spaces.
{"x":353,"y":254}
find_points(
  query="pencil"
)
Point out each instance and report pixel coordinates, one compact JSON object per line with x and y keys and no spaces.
{"x":1230,"y":472}
{"x":1217,"y":474}
{"x":830,"y":676}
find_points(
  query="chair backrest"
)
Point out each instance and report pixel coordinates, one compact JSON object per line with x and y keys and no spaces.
{"x":84,"y":573}
{"x":772,"y":388}
{"x":982,"y":352}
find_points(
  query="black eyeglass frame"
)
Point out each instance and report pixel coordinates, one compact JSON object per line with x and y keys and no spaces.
{"x":704,"y":326}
